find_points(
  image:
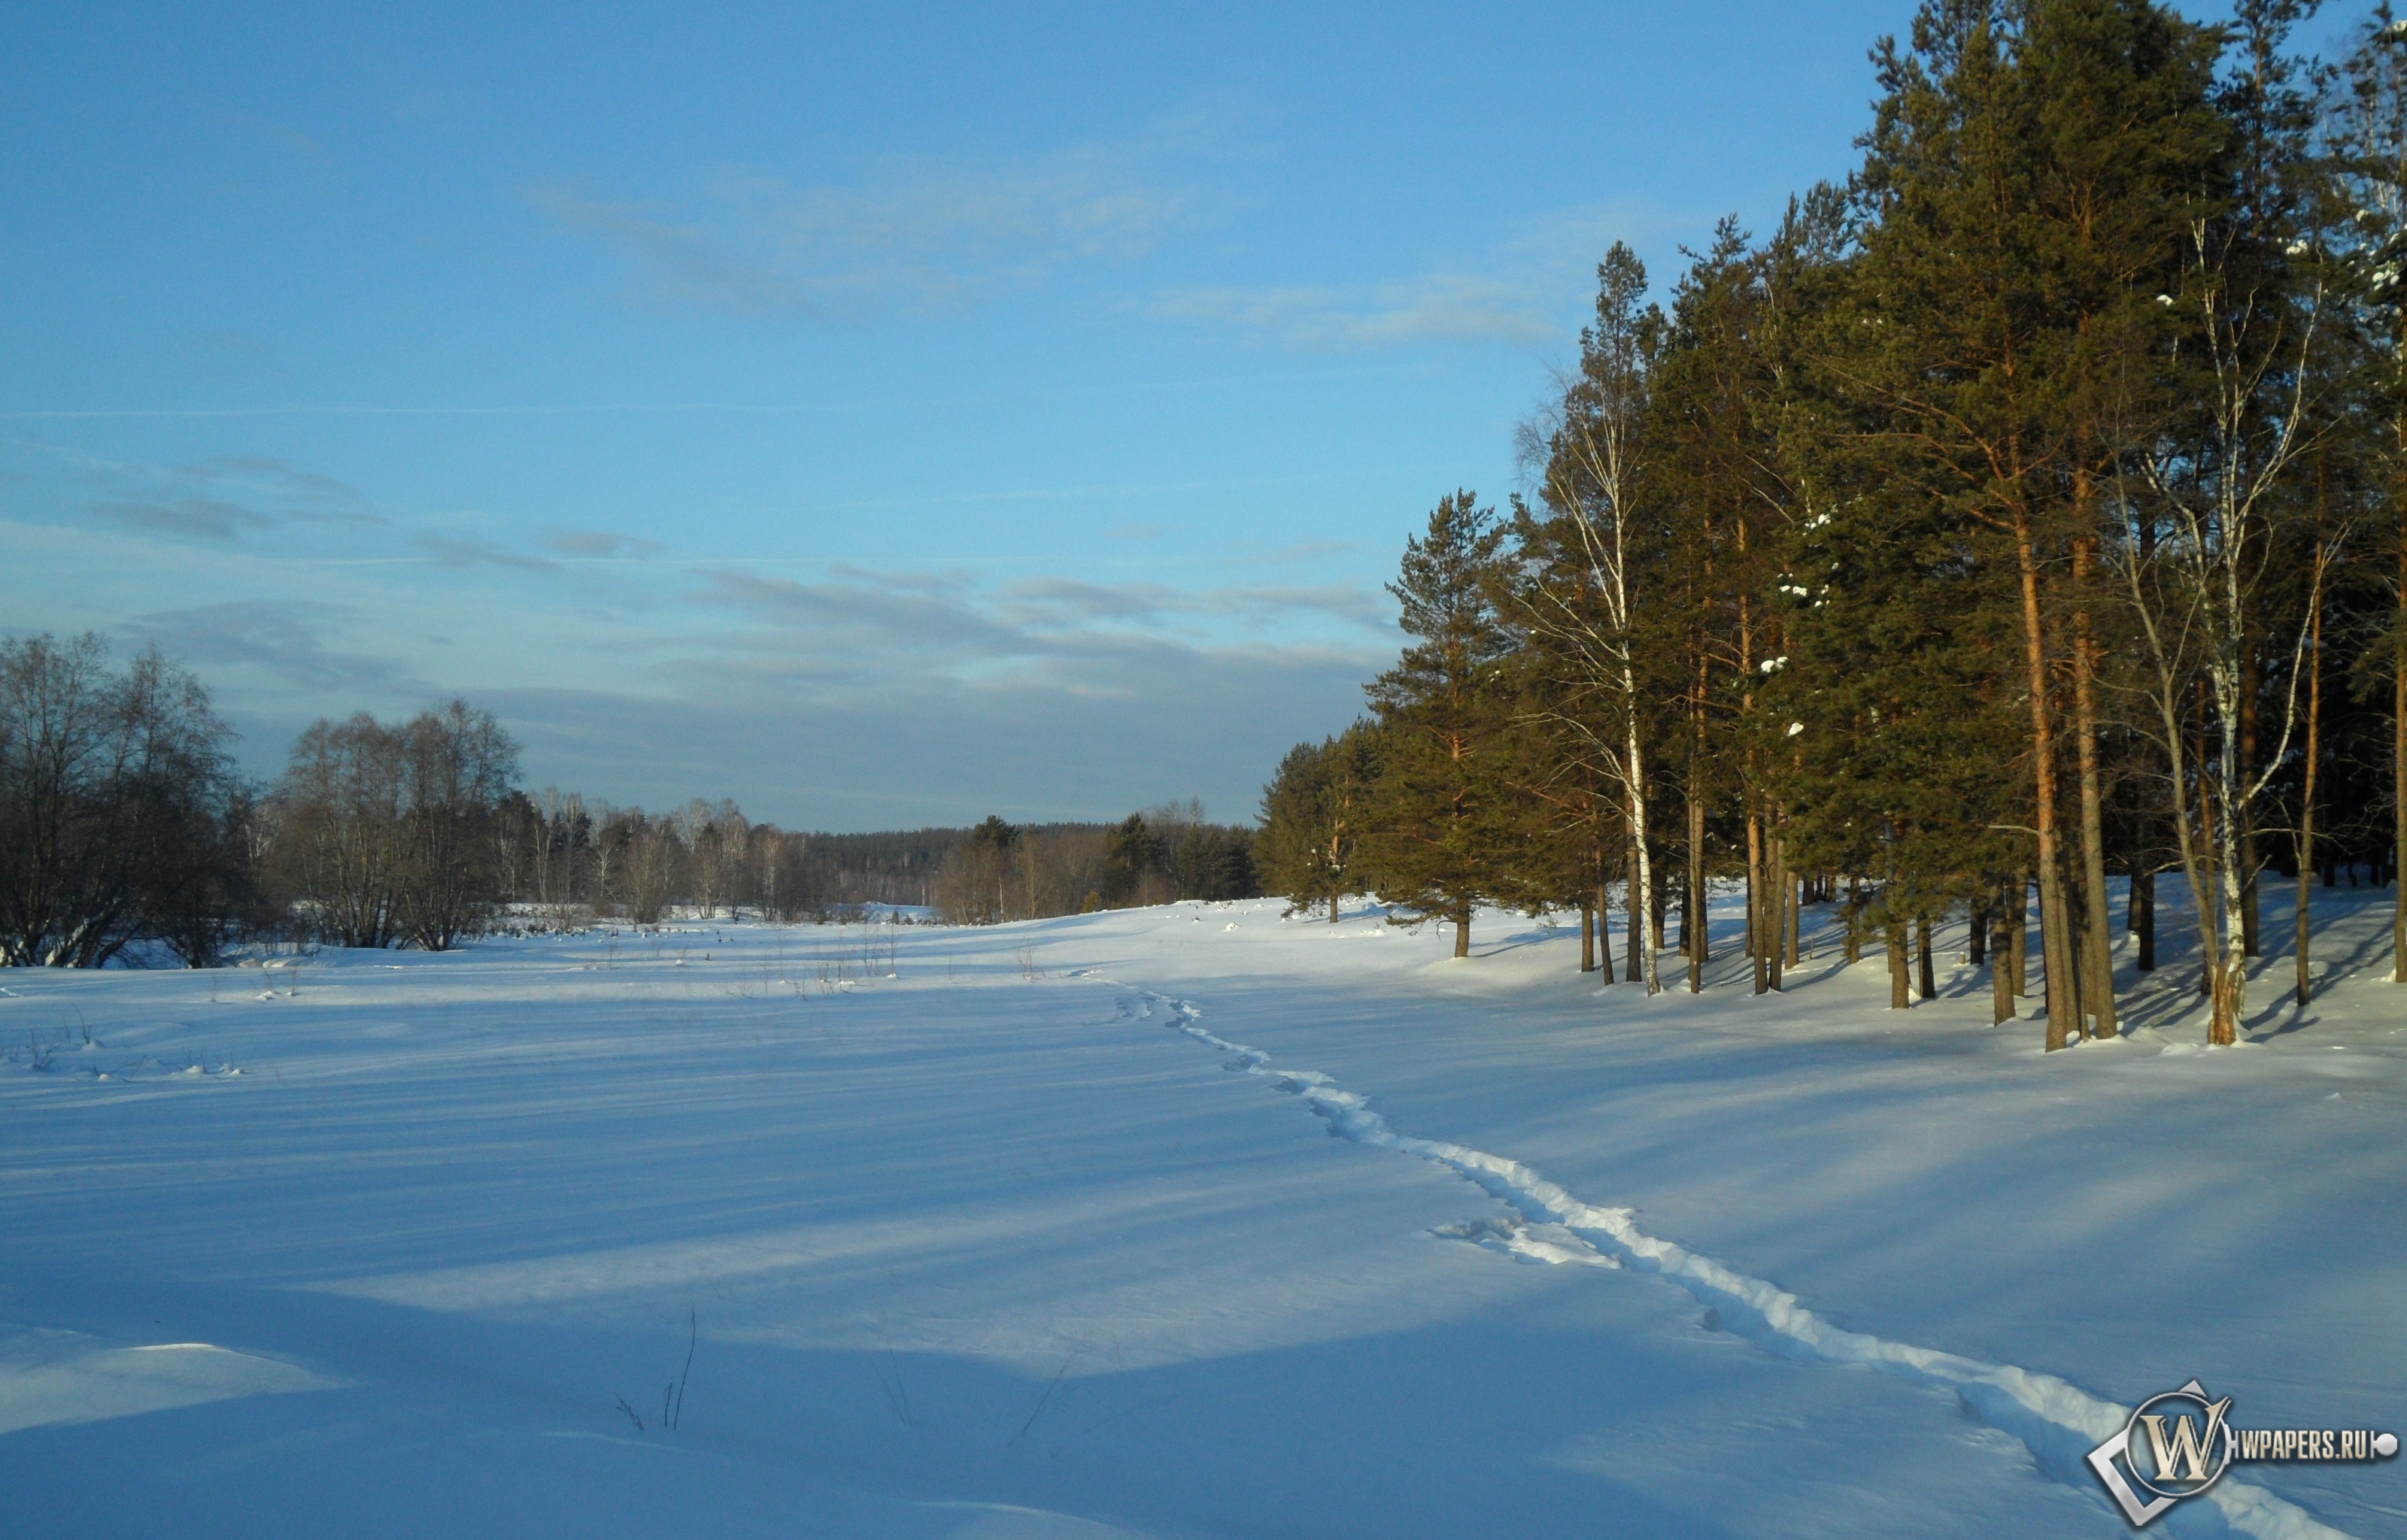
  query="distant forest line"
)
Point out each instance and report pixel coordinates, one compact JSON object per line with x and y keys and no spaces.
{"x":128,"y":835}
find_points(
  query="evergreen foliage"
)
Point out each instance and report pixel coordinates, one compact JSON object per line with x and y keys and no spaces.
{"x":1441,"y":823}
{"x":2025,"y":513}
{"x":1313,"y":814}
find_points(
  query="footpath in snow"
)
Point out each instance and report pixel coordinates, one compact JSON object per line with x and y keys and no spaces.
{"x":911,"y":1231}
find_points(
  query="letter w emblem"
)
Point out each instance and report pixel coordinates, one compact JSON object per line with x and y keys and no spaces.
{"x":2183,"y":1456}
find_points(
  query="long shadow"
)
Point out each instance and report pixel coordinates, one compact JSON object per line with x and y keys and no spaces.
{"x":465,"y":1424}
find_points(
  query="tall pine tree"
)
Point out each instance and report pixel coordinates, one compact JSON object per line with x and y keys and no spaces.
{"x":1441,"y":834}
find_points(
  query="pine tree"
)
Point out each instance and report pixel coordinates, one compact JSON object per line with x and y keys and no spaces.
{"x":2370,"y":141}
{"x":1716,"y":498}
{"x":2028,"y":182}
{"x":1312,"y":815}
{"x":1295,"y":818}
{"x":1440,"y":840}
{"x":1132,"y":850}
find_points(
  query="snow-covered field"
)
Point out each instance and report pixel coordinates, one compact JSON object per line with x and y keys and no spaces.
{"x":1186,"y":1221}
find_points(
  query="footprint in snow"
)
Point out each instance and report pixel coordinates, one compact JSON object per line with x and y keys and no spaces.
{"x":1476,"y":1230}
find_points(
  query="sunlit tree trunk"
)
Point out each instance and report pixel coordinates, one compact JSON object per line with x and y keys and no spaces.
{"x":2063,"y":1026}
{"x":2099,"y":998}
{"x":2314,"y":659}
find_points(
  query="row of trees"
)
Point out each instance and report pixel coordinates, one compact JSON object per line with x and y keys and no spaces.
{"x":1161,"y":856}
{"x":2028,"y":511}
{"x":570,"y":858}
{"x":124,"y":826}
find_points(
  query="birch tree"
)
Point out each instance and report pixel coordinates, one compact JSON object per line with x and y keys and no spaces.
{"x":1579,"y":600}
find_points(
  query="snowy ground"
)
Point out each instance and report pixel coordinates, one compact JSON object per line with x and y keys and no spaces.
{"x":1048,"y":1236}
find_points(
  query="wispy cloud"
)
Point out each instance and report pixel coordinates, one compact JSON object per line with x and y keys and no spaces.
{"x":1310,"y":550}
{"x":459,"y":551}
{"x":1520,"y":294}
{"x":912,"y":236}
{"x":1358,"y":606}
{"x":280,"y":479}
{"x":1053,"y":603}
{"x":1138,"y":724}
{"x":886,"y":620}
{"x":225,"y":497}
{"x":947,"y":625}
{"x":287,"y":639}
{"x":907,"y":582}
{"x":191,"y":518}
{"x":599,"y":544}
{"x":1433,"y":307}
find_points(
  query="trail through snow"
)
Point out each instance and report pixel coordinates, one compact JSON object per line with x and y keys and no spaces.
{"x":2057,"y":1421}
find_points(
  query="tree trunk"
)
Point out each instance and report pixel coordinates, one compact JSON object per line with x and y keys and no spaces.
{"x":2001,"y":973}
{"x":2076,"y":945}
{"x":1658,"y":894}
{"x":1976,"y":929}
{"x":2314,"y":662}
{"x":2247,"y":813}
{"x":1793,"y":891}
{"x":2143,"y":917}
{"x":1603,"y":934}
{"x":1777,"y":892}
{"x":2057,"y":957}
{"x":1756,"y":887}
{"x":2207,"y":891}
{"x":1462,"y":931}
{"x":2099,"y":997}
{"x":2230,"y":977}
{"x":2398,"y":763}
{"x":1635,"y":959}
{"x":1922,"y":950}
{"x":2018,"y":918}
{"x":1588,"y":936}
{"x":1893,"y":934}
{"x":1855,"y":922}
{"x":1699,"y":927}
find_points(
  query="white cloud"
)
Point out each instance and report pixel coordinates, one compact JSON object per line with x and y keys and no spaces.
{"x":949,"y":622}
{"x":1523,"y":292}
{"x":1433,"y":307}
{"x":192,"y":517}
{"x":223,"y":498}
{"x":599,"y":546}
{"x":470,"y":550}
{"x":914,"y":237}
{"x":289,"y":641}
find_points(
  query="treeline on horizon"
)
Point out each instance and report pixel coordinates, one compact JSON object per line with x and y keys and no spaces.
{"x":2027,"y":512}
{"x":1164,"y":854}
{"x":126,"y":833}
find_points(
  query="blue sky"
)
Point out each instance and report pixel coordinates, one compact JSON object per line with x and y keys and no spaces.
{"x":883,"y":415}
